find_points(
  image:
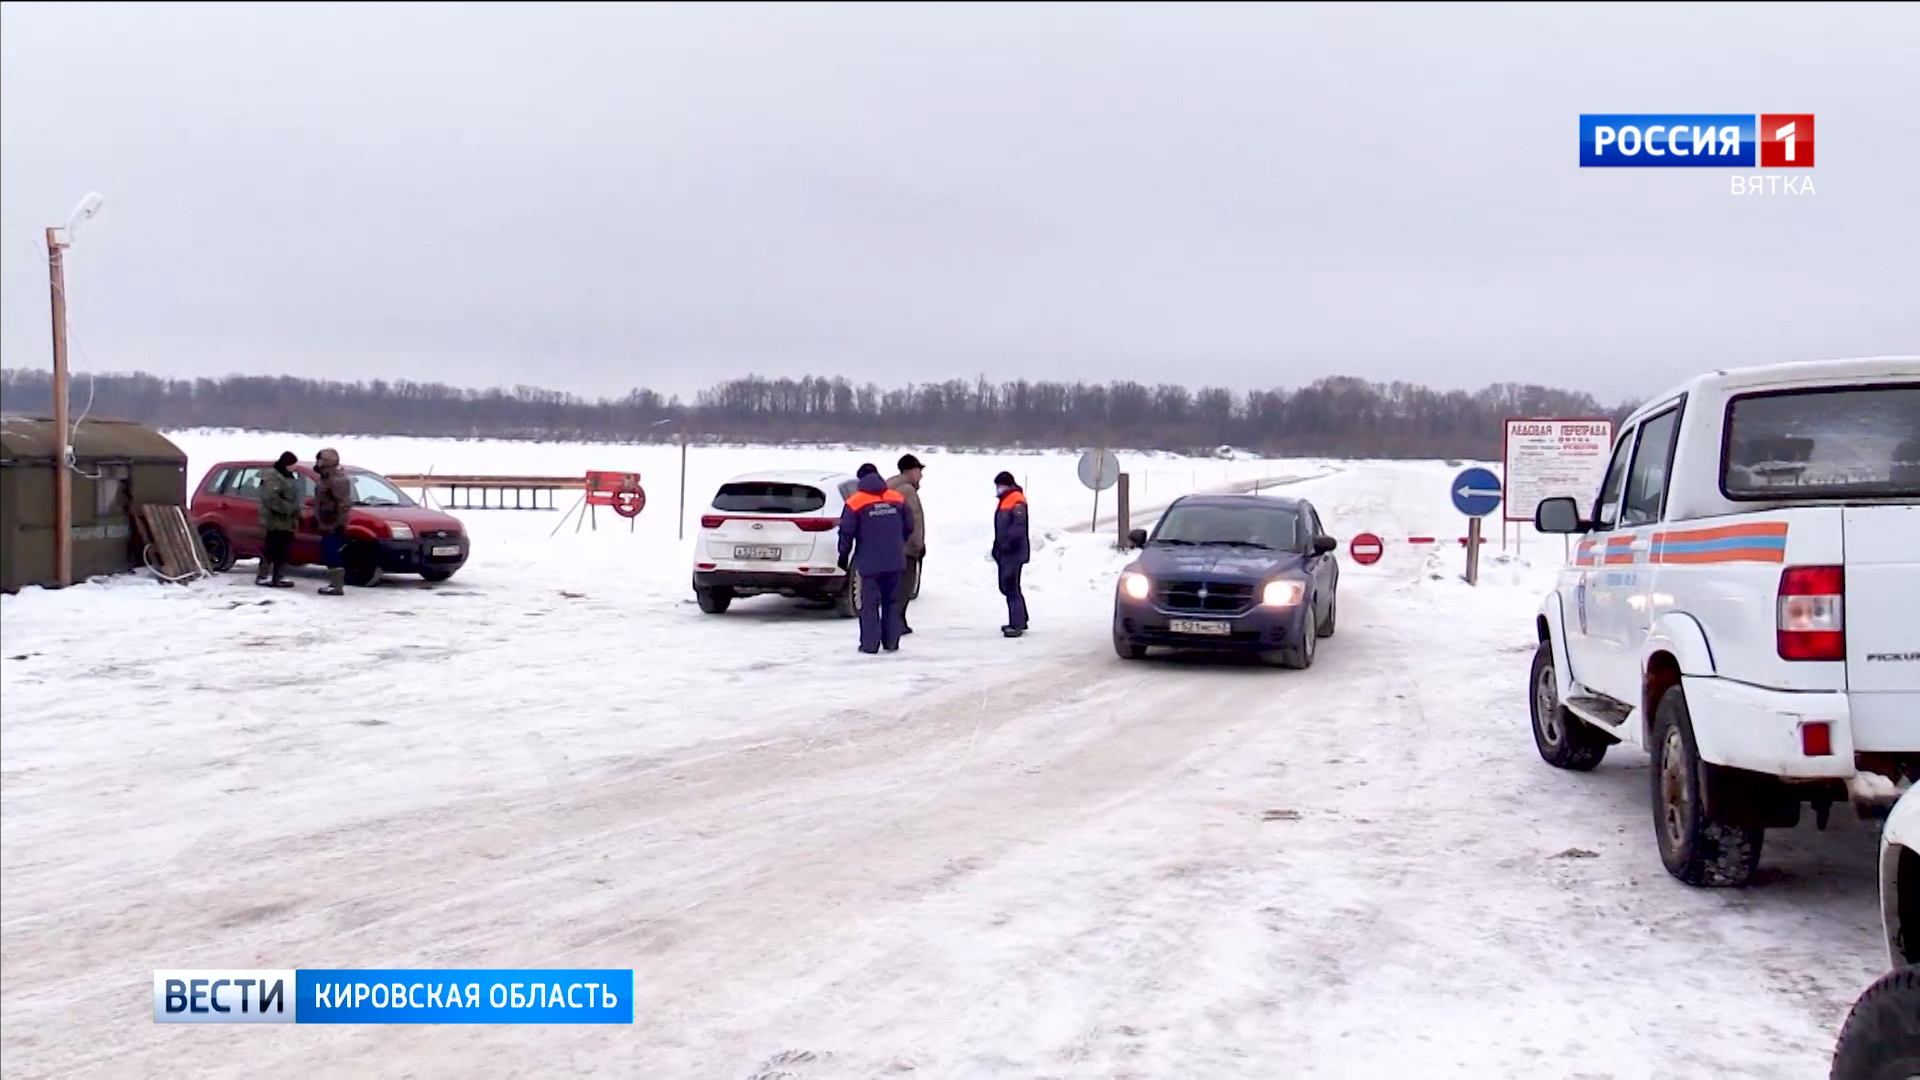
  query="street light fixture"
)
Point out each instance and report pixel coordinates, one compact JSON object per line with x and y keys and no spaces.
{"x":59,"y":238}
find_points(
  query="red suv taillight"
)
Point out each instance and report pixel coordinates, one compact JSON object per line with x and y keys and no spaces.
{"x":1811,"y":619}
{"x":812,"y":525}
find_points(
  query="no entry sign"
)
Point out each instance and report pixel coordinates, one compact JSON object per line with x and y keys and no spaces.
{"x":1366,"y":549}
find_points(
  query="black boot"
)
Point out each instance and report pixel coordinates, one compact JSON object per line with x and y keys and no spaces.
{"x":279,"y":580}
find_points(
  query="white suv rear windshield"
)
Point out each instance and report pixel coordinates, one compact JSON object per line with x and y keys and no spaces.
{"x":764,"y":497}
{"x":1839,"y":442}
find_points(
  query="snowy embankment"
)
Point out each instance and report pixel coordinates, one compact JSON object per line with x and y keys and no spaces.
{"x":973,"y":858}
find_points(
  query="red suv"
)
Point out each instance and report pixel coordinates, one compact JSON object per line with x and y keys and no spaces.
{"x":387,"y":532}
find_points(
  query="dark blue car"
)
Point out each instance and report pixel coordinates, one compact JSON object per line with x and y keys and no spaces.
{"x":1230,"y":573}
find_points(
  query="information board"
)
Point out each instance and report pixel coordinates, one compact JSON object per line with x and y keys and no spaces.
{"x":1551,"y":457}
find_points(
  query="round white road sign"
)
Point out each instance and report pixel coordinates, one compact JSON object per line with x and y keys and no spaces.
{"x":1099,"y":469}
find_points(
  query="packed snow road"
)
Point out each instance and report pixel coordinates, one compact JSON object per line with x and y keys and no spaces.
{"x":975,"y":858}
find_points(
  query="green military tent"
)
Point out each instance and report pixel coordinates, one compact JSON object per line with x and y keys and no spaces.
{"x":118,"y":466}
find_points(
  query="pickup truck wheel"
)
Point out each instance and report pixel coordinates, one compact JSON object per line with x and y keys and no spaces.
{"x":1696,"y":848}
{"x":1881,"y":1038}
{"x":714,"y":601}
{"x":1565,"y":741}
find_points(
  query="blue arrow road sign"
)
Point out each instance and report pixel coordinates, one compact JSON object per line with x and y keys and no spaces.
{"x":1476,"y":492}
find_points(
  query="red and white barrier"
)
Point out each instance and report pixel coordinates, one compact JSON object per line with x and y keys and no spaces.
{"x":1367,"y":548}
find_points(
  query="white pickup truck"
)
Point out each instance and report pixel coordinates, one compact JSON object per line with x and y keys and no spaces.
{"x":1744,"y":604}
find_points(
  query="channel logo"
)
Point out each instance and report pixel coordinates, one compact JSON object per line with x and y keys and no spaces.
{"x":1696,"y":140}
{"x":393,"y":996}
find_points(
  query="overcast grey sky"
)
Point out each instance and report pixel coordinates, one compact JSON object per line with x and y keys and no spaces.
{"x":592,"y":197}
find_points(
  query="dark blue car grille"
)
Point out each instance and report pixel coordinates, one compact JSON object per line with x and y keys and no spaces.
{"x":1205,"y":596}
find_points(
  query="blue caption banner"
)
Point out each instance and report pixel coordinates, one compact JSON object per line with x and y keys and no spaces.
{"x":494,"y":996}
{"x":1667,"y":140}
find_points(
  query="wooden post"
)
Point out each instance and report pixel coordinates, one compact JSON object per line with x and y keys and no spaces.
{"x":1473,"y":551}
{"x":1123,"y":493}
{"x":62,"y":475}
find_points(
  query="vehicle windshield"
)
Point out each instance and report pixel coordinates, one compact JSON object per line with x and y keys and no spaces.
{"x":1274,"y":527}
{"x":373,"y":490}
{"x":768,"y":497}
{"x":1842,"y":442}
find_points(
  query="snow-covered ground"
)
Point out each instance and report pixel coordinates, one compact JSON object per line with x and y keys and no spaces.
{"x":973,"y":858}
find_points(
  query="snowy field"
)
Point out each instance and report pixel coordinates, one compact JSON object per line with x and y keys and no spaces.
{"x":973,"y":858}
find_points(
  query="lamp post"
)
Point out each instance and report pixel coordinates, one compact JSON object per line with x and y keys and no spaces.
{"x":59,"y":239}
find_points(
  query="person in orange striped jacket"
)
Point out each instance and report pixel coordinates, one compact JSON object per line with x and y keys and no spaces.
{"x":873,"y":543}
{"x":1011,"y":550}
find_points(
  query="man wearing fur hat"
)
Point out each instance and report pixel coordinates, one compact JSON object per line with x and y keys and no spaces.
{"x":332,"y":505}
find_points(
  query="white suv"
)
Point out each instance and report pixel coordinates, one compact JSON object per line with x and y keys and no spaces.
{"x":1881,"y":1038}
{"x":775,"y":532}
{"x":1744,"y":603}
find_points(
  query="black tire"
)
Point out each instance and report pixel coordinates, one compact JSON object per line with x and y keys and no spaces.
{"x":1326,"y":628}
{"x":1299,"y":657}
{"x":218,"y":549}
{"x":1881,"y":1038}
{"x":1127,"y":649}
{"x":1697,"y":849}
{"x":1564,"y":740}
{"x":362,"y":562}
{"x":435,"y":575}
{"x":847,"y":604}
{"x":714,"y":601}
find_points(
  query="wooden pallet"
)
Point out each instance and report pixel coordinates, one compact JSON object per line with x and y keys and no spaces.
{"x":173,"y":549}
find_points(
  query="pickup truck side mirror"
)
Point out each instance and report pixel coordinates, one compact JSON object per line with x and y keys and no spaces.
{"x":1323,"y":545}
{"x":1137,"y":538}
{"x":1559,"y":514}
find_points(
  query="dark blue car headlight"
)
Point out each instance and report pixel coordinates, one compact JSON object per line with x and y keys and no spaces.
{"x":1286,"y":592}
{"x":1135,"y":586}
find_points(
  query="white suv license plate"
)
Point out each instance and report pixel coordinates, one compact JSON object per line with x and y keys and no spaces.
{"x":446,"y":552}
{"x":1203,"y":627}
{"x":765,"y":554}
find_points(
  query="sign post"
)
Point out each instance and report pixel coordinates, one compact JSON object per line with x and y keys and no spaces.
{"x":1476,"y":493}
{"x":1099,"y":470}
{"x":1549,"y":457}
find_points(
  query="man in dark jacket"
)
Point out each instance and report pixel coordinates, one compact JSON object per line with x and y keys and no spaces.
{"x":907,"y":483}
{"x":332,"y":505}
{"x":279,"y":516}
{"x":873,"y":543}
{"x":1011,"y":550}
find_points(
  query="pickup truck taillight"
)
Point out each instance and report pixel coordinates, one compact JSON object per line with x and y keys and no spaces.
{"x":1811,"y":623}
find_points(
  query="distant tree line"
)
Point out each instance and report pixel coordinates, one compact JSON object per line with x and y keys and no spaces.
{"x":1334,"y":417}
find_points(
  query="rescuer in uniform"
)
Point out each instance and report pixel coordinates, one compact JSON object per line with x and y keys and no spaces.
{"x":873,"y":543}
{"x":1011,"y":550}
